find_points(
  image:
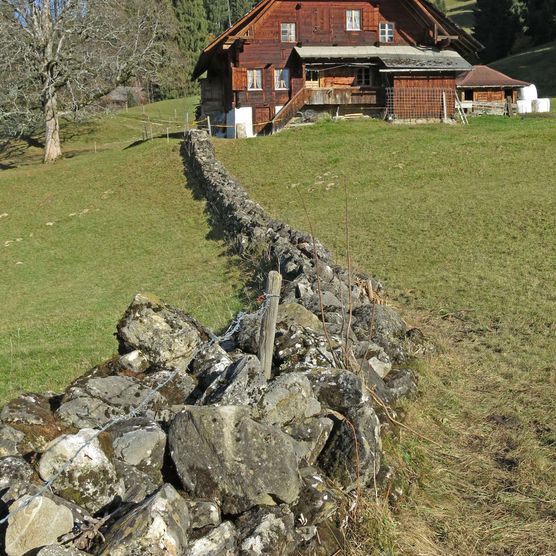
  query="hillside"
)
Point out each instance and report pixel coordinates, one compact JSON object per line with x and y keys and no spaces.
{"x":82,"y":236}
{"x":461,"y":11}
{"x":537,"y":66}
{"x":462,"y":236}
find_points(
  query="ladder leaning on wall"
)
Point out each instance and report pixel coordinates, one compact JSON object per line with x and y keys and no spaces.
{"x":461,"y":112}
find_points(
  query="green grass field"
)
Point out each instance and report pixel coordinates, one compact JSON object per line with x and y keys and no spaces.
{"x":459,"y":224}
{"x":79,"y":238}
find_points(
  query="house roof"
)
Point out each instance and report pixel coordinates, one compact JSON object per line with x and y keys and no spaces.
{"x":483,"y":76}
{"x":427,"y":12}
{"x":393,"y":57}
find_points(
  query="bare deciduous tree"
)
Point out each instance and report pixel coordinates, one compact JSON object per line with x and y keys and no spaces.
{"x":58,"y":56}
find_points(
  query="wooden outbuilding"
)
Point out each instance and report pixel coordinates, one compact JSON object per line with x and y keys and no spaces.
{"x":484,"y":84}
{"x":396,"y":58}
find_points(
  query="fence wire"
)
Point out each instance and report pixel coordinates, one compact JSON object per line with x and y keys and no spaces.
{"x":227,"y":335}
{"x":419,"y":103}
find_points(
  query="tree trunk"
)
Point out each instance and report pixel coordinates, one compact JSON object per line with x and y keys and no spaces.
{"x":53,"y":148}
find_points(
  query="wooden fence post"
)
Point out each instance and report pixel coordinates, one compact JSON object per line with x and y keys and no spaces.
{"x":268,"y":324}
{"x":209,"y":126}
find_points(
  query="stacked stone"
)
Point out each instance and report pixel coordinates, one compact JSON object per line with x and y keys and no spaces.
{"x":219,"y":460}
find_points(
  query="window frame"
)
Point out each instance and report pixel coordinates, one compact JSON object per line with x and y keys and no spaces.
{"x":251,"y":80}
{"x":350,"y":20}
{"x":364,"y":77}
{"x":288,"y":35}
{"x":383,"y":31}
{"x":278,"y":73}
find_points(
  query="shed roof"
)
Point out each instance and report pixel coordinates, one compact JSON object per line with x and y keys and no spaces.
{"x":485,"y":77}
{"x":393,"y":57}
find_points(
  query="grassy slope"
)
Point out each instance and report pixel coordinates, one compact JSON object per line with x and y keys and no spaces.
{"x":537,"y":66}
{"x":459,"y":223}
{"x":123,"y":222}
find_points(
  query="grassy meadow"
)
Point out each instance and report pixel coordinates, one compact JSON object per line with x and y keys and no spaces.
{"x":458,"y":222}
{"x":80,"y":237}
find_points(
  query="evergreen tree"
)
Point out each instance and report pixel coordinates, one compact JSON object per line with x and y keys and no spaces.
{"x":240,"y":7}
{"x":541,"y":20}
{"x":495,"y":27}
{"x":192,"y":32}
{"x":218,"y":16}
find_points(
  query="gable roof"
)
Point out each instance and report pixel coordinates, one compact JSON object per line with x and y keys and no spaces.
{"x":483,"y":76}
{"x":465,"y":44}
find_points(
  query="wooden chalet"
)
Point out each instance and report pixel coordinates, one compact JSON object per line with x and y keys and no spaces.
{"x":393,"y":57}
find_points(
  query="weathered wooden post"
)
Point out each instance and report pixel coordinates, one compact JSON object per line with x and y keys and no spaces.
{"x":209,"y":126}
{"x":268,"y":324}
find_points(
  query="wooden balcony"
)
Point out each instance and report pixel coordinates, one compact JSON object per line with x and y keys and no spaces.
{"x":370,"y":96}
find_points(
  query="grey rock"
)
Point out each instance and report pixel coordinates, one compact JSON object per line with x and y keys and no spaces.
{"x":319,"y":499}
{"x":400,"y":383}
{"x":141,"y":443}
{"x":168,"y":337}
{"x":221,"y":541}
{"x":288,"y":398}
{"x":389,"y":329}
{"x":310,"y":437}
{"x":41,"y":522}
{"x":268,"y":532}
{"x":57,"y":550}
{"x":31,"y":415}
{"x":209,"y":364}
{"x":353,"y":450}
{"x":243,"y":383}
{"x":295,"y":314}
{"x":13,"y":468}
{"x":136,"y":484}
{"x":176,"y":390}
{"x":97,"y":401}
{"x":157,"y":527}
{"x":203,"y":514}
{"x":337,"y":389}
{"x":135,"y":361}
{"x":10,"y":440}
{"x":238,"y":462}
{"x":90,"y":480}
{"x":248,"y":335}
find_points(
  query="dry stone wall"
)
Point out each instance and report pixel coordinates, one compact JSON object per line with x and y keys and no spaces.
{"x":180,"y":445}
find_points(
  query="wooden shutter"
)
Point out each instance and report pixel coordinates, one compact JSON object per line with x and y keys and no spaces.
{"x":239,"y":79}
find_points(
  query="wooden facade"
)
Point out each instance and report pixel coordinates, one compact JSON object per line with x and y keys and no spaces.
{"x":244,"y":67}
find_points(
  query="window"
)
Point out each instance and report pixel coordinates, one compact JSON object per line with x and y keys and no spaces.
{"x":287,"y":32}
{"x":353,"y":20}
{"x":254,"y":80}
{"x":386,"y":32}
{"x":364,"y":77}
{"x":282,"y":79}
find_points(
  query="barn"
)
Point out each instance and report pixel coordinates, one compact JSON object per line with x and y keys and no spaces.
{"x":398,"y":59}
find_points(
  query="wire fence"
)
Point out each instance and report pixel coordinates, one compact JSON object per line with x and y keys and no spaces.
{"x":139,"y":409}
{"x":419,"y":103}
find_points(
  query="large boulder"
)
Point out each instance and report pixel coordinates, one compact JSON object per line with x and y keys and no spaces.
{"x":221,"y":541}
{"x":167,"y":336}
{"x":96,"y":401}
{"x":237,"y":461}
{"x":243,"y":383}
{"x":89,"y":478}
{"x":159,"y":526}
{"x":310,"y":437}
{"x":35,"y":522}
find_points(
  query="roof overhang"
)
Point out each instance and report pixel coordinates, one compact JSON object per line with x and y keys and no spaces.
{"x":394,"y":58}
